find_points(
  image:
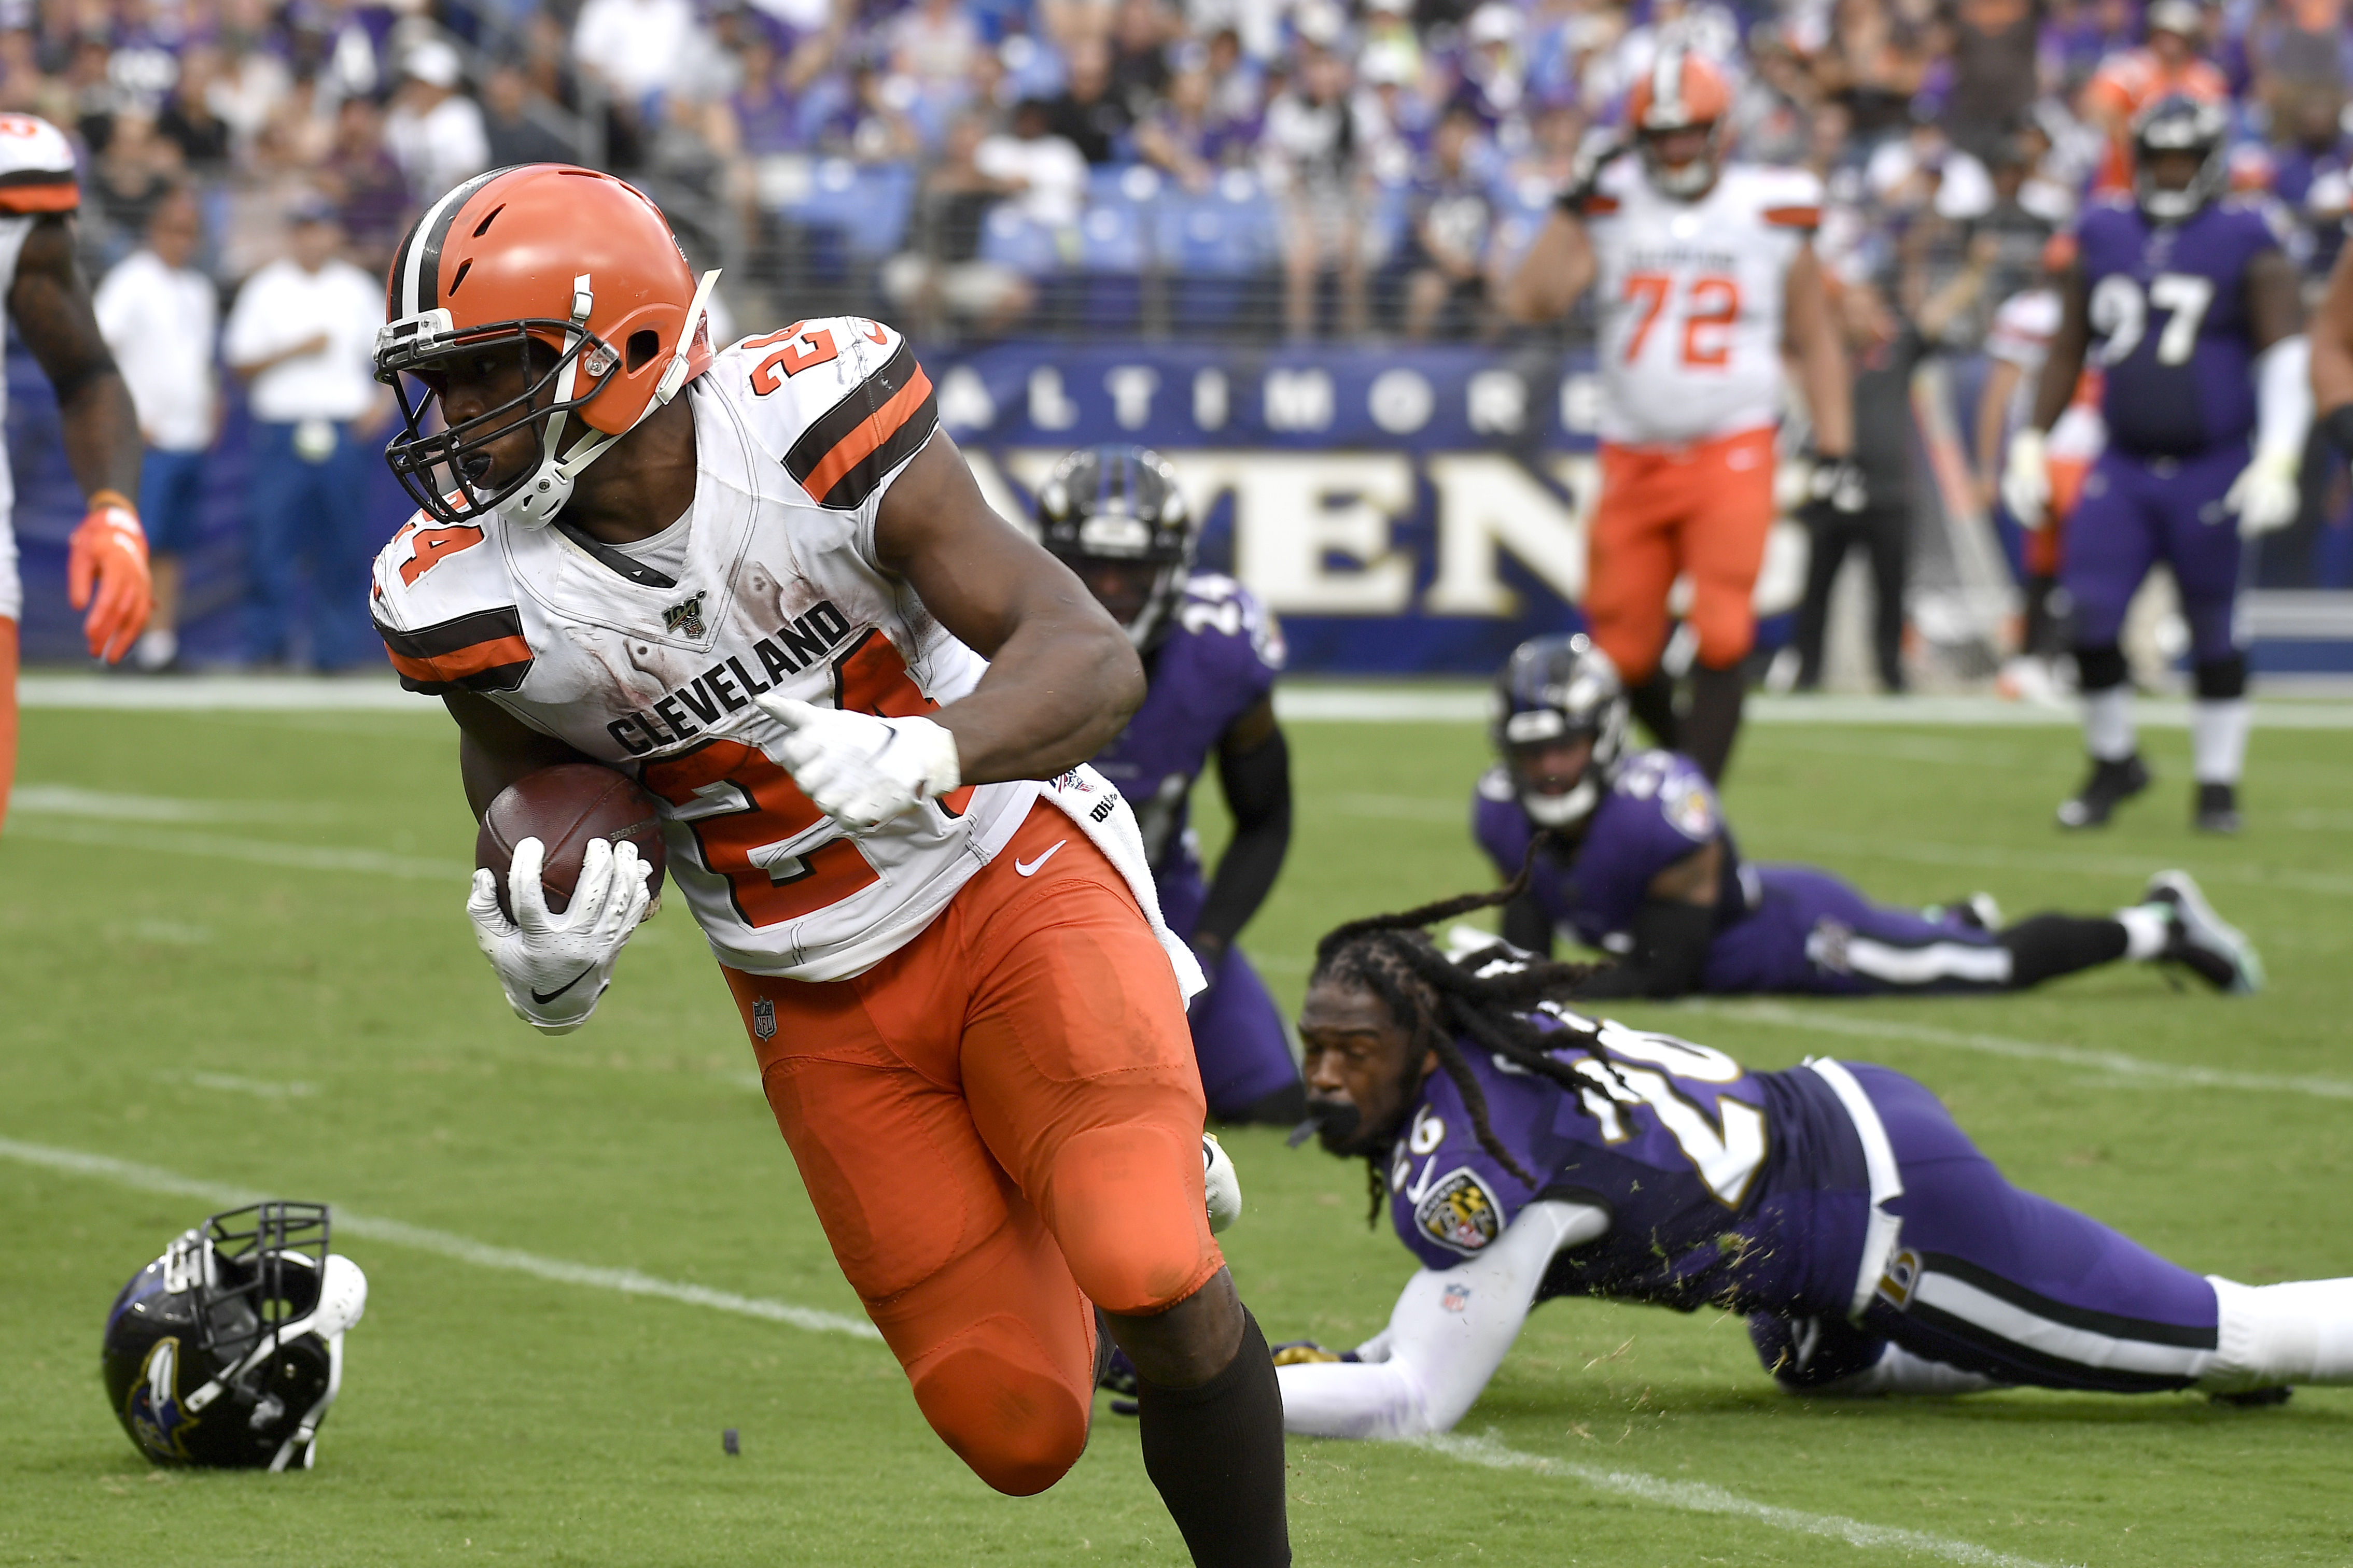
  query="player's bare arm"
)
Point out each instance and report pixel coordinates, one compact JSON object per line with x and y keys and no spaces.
{"x":1558,"y":267}
{"x":1063,"y":677}
{"x":2026,"y":474}
{"x":2332,"y":352}
{"x":495,"y":747}
{"x":51,"y":303}
{"x":107,"y":569}
{"x":1811,"y":338}
{"x":1254,"y":771}
{"x":1671,"y":932}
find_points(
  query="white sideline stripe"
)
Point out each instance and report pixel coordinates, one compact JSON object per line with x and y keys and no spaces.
{"x":2065,"y":1342}
{"x":464,"y":1249}
{"x":1402,"y":702}
{"x":2141,"y":1069}
{"x":109,"y":806}
{"x":1699,"y":1497}
{"x":253,"y":851}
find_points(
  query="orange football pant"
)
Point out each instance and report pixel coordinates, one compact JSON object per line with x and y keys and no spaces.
{"x":1702,"y":509}
{"x":7,"y":712}
{"x":997,"y":1124}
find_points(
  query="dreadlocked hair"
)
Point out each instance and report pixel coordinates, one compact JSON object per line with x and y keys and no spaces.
{"x":1439,"y":1001}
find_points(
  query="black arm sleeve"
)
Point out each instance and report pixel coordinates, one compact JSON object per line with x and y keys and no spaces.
{"x":1258,"y":792}
{"x":1527,"y":925}
{"x":1669,"y":954}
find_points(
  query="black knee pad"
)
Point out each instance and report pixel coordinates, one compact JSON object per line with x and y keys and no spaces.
{"x":2098,"y":668}
{"x":2222,"y":680}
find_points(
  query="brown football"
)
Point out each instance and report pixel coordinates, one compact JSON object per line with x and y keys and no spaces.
{"x":563,"y":808}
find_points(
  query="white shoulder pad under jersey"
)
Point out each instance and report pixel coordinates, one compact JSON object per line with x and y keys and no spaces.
{"x":37,"y":168}
{"x":1691,"y":298}
{"x":798,"y":438}
{"x":840,"y":402}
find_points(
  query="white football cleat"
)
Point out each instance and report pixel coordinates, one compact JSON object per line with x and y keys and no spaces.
{"x":2201,"y":940}
{"x":1223,"y":1185}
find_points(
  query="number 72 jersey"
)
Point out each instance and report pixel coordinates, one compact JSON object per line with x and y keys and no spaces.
{"x":798,"y":436}
{"x":2170,"y":330}
{"x":1691,"y":299}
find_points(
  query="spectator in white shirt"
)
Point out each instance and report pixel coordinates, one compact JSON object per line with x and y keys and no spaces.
{"x":160,"y":316}
{"x":638,"y":46}
{"x":434,"y":132}
{"x":303,"y":339}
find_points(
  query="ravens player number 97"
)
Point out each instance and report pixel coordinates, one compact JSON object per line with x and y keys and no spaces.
{"x":1116,"y":516}
{"x":2194,"y":314}
{"x":761,"y":580}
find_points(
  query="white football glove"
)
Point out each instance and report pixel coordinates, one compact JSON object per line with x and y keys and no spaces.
{"x":2265,"y":494}
{"x":2026,"y":480}
{"x":1223,"y":1184}
{"x":554,"y":967}
{"x":860,"y":770}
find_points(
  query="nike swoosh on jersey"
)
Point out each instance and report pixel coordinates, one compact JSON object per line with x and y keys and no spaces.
{"x":1029,"y":868}
{"x":550,"y":996}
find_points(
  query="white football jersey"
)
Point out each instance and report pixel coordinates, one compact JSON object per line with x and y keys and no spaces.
{"x":798,"y":436}
{"x":36,"y":178}
{"x":1690,"y":298}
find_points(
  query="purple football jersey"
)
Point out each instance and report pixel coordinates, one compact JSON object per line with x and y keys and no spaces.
{"x":2170,"y":323}
{"x":1219,"y":658}
{"x":1727,"y":1187}
{"x":1660,"y":809}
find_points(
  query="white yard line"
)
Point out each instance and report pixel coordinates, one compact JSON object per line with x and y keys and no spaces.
{"x":2139,"y":1069}
{"x":253,"y":851}
{"x":464,"y":1249}
{"x":1699,"y":1497}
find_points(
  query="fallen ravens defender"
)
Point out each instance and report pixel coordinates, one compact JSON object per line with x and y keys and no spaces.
{"x":762,"y":583}
{"x":49,"y":299}
{"x":227,"y":1351}
{"x":1114,"y":516}
{"x":2196,"y":311}
{"x":1527,"y":1151}
{"x":1631,"y":852}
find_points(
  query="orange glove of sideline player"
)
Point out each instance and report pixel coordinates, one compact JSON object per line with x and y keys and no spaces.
{"x":108,"y":562}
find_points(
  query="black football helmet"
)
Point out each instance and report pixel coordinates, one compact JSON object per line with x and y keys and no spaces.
{"x":227,"y":1351}
{"x":1551,"y":692}
{"x":1114,"y":515}
{"x":2180,"y":124}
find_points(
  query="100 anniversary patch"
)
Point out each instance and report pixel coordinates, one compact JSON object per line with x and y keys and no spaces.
{"x":1460,"y":1212}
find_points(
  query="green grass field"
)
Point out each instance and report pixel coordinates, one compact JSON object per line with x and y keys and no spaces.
{"x":255,"y":976}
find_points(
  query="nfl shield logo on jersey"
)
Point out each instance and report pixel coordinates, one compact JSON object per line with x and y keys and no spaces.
{"x":685,"y":619}
{"x":764,"y":1018}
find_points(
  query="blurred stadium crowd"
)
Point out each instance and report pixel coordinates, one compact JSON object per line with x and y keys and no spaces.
{"x":1235,"y":170}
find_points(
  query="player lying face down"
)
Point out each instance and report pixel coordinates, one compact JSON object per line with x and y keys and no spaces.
{"x":760,"y":582}
{"x":1526,"y":1151}
{"x":1631,"y":852}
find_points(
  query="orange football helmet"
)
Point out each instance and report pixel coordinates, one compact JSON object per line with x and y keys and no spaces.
{"x":550,"y":254}
{"x":1681,"y":92}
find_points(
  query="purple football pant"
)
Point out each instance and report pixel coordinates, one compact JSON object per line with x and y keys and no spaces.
{"x":2136,"y":512}
{"x":1813,"y":934}
{"x":1238,"y":1035}
{"x":2002,"y":1282}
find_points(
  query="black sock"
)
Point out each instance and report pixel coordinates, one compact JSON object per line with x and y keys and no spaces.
{"x":1216,"y":1453}
{"x":2042,"y":947}
{"x":1714,"y":719}
{"x":1653,"y":704}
